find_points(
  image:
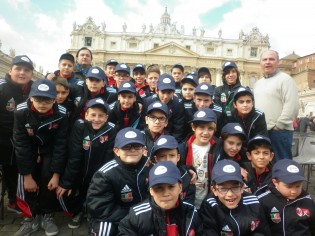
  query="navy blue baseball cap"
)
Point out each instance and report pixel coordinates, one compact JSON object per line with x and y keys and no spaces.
{"x":96,"y":73}
{"x":159,"y":107}
{"x":123,"y":68}
{"x":204,"y":88}
{"x":258,"y":139}
{"x":43,"y":88}
{"x":127,"y":86}
{"x":229,"y":64}
{"x":164,"y":172}
{"x":242,"y":91}
{"x":164,"y":142}
{"x":288,"y":171}
{"x":97,"y":102}
{"x":127,"y":136}
{"x":204,"y":115}
{"x":166,"y":82}
{"x":23,"y":60}
{"x":233,"y":128}
{"x":226,"y":170}
{"x":203,"y":70}
{"x":190,"y":78}
{"x":139,"y":67}
{"x":111,"y":62}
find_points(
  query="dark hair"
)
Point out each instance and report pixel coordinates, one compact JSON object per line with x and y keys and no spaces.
{"x":61,"y":81}
{"x":203,"y":74}
{"x":178,"y":66}
{"x":227,"y":70}
{"x":257,"y":144}
{"x":83,"y":48}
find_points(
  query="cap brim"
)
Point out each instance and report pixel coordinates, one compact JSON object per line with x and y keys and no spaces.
{"x":163,"y":147}
{"x":44,"y":94}
{"x":25,"y":64}
{"x":289,"y":179}
{"x":157,"y":109}
{"x":227,"y":178}
{"x":163,"y":180}
{"x":163,"y":87}
{"x":201,"y":120}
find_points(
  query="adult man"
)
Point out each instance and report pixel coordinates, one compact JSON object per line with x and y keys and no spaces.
{"x":276,"y":95}
{"x":14,"y":89}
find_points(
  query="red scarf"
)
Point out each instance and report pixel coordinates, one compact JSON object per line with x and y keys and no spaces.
{"x":64,"y":76}
{"x":48,"y":113}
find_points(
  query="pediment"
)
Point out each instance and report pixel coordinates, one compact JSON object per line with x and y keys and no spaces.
{"x":172,"y":49}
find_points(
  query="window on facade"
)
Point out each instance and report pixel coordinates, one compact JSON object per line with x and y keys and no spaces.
{"x":188,"y":47}
{"x":229,"y":52}
{"x":88,"y":41}
{"x":210,"y":50}
{"x":253,"y":52}
{"x":133,"y":45}
{"x":155,"y":45}
{"x":112,"y":44}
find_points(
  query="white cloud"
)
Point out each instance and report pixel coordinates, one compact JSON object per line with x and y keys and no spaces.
{"x":19,"y":3}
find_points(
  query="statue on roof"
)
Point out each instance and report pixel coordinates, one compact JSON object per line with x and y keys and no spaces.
{"x":124,"y":27}
{"x":220,"y":34}
{"x":151,"y":28}
{"x":202,"y":32}
{"x":74,"y":26}
{"x":194,"y":31}
{"x":103,"y":26}
{"x":144,"y":28}
{"x":182,"y":30}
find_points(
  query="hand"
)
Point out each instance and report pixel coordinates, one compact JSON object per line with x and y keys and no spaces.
{"x":50,"y":76}
{"x":61,"y":191}
{"x":30,"y":184}
{"x":193,"y":176}
{"x":244,"y":174}
{"x":276,"y":128}
{"x":140,"y":107}
{"x":54,"y":182}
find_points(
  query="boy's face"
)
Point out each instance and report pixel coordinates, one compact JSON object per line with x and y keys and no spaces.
{"x":130,"y":154}
{"x":66,"y":68}
{"x":260,"y":157}
{"x":204,"y":79}
{"x":42,"y":104}
{"x":244,"y":105}
{"x":121,"y":77}
{"x":203,"y":133}
{"x":110,"y":70}
{"x":152,"y":79}
{"x":20,"y":74}
{"x":232,"y":145}
{"x":94,"y":85}
{"x":188,"y":91}
{"x":202,"y":101}
{"x":289,"y":191}
{"x":166,"y":195}
{"x":156,"y":121}
{"x":165,"y":95}
{"x":229,"y":193}
{"x":126,"y":99}
{"x":62,"y":93}
{"x":167,"y":155}
{"x":231,"y":77}
{"x":96,"y":116}
{"x":139,"y":77}
{"x":177,"y":74}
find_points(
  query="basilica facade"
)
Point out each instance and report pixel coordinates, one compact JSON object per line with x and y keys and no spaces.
{"x":165,"y":44}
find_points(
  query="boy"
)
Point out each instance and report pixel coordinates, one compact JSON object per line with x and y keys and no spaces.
{"x":119,"y":184}
{"x":164,"y":213}
{"x":166,"y":149}
{"x":228,"y":210}
{"x":260,"y":155}
{"x":40,"y":137}
{"x":63,"y":91}
{"x":156,"y":120}
{"x":138,"y":73}
{"x":188,"y":84}
{"x":152,"y":76}
{"x":165,"y":94}
{"x":252,"y":120}
{"x":177,"y":73}
{"x":204,"y":75}
{"x":197,"y":150}
{"x":92,"y":143}
{"x":14,"y":89}
{"x":109,"y":69}
{"x":126,"y":111}
{"x":122,"y":74}
{"x":288,"y":208}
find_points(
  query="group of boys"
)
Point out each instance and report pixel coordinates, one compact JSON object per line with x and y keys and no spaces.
{"x":141,"y":157}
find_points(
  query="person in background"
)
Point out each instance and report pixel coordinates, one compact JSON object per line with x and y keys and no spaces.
{"x":279,"y":89}
{"x":84,"y":59}
{"x":139,"y":74}
{"x":152,"y":77}
{"x":177,"y":72}
{"x":122,"y":74}
{"x":204,"y":75}
{"x":109,"y":68}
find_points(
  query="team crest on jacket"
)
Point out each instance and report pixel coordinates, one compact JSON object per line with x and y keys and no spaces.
{"x":10,"y":105}
{"x":86,"y":143}
{"x":29,"y":129}
{"x":254,"y":224}
{"x":302,"y":212}
{"x":126,"y":194}
{"x":191,"y":232}
{"x":103,"y":138}
{"x":275,"y":215}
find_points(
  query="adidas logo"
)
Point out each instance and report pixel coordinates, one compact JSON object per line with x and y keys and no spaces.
{"x":126,"y":189}
{"x":274,"y":209}
{"x":226,"y":228}
{"x":87,"y":138}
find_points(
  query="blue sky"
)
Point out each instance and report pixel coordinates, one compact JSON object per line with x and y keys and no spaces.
{"x":41,"y":29}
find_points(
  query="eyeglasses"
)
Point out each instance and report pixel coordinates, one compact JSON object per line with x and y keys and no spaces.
{"x":43,"y":100}
{"x":224,"y":190}
{"x":134,"y":146}
{"x":155,"y":118}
